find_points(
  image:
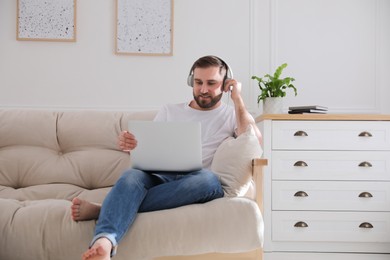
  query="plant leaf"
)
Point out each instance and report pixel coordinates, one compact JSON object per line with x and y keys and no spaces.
{"x":279,"y":70}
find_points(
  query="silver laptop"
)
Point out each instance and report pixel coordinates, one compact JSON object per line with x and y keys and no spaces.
{"x":166,"y":146}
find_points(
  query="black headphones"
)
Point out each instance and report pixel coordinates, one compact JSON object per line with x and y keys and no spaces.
{"x":229,"y":72}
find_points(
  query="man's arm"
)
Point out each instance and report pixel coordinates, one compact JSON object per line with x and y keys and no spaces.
{"x":243,"y":117}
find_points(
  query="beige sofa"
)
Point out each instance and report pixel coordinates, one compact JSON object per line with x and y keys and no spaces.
{"x":49,"y":157}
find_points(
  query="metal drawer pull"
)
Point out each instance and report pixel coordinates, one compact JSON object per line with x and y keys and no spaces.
{"x":366,"y":225}
{"x":300,"y":164}
{"x":301,"y":133}
{"x":365,"y":164}
{"x":365,"y":195}
{"x":301,"y":224}
{"x":365,"y":134}
{"x":301,"y":194}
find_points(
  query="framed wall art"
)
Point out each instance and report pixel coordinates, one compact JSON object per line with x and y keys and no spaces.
{"x":144,"y":27}
{"x":46,"y":20}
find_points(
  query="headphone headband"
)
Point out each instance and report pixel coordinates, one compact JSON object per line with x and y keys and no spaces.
{"x":228,"y":75}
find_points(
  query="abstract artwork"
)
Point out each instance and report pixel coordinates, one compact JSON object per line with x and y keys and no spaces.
{"x":144,"y":27}
{"x":46,"y":20}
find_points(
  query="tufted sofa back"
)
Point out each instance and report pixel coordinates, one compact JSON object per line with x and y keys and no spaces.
{"x":61,"y":155}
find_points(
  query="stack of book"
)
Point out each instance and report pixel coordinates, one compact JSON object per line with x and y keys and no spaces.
{"x":307,"y":109}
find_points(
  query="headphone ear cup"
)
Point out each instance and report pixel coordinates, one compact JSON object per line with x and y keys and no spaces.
{"x":228,"y":76}
{"x":229,"y":73}
{"x":190,"y":80}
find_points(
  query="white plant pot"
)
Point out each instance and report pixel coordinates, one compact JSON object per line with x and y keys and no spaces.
{"x":273,"y":105}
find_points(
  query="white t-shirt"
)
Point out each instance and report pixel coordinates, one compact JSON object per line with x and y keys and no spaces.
{"x":216,"y":125}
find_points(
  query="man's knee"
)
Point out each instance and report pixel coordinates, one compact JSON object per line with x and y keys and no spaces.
{"x":210,"y":181}
{"x":133,"y":177}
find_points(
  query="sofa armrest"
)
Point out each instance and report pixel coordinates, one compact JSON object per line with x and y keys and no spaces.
{"x":257,"y":172}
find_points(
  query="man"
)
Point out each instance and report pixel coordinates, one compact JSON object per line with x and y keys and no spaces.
{"x":138,"y":191}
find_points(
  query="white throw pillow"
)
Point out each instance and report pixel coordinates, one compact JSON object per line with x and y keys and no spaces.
{"x":233,"y":162}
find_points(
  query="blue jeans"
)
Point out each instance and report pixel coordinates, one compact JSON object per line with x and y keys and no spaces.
{"x":139,"y":191}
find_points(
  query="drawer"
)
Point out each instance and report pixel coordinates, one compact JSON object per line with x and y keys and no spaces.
{"x":307,"y":226}
{"x":331,"y":165}
{"x":330,"y":135}
{"x":331,"y":195}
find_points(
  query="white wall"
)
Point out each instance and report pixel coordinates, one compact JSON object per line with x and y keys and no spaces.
{"x":338,"y":51}
{"x":87,"y":74}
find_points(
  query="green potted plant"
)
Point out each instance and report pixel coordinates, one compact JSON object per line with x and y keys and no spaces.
{"x":273,"y":89}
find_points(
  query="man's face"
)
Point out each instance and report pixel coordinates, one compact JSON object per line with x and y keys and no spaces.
{"x":207,"y":87}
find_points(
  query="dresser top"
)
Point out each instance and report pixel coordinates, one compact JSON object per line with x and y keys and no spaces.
{"x":329,"y":117}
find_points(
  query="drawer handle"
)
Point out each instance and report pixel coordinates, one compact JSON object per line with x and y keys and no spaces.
{"x":301,"y":133}
{"x":366,"y":225}
{"x":365,"y":164}
{"x":365,"y":195}
{"x":300,"y":164}
{"x":365,"y":134}
{"x":301,"y":194}
{"x":301,"y":224}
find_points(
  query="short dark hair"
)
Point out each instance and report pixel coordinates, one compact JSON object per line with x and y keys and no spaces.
{"x":210,"y":61}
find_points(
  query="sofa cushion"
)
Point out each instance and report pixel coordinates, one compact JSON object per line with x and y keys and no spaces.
{"x":233,"y":162}
{"x":75,"y":149}
{"x":44,"y":230}
{"x":41,"y":229}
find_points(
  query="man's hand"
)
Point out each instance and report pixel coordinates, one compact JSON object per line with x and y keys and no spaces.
{"x":235,"y":87}
{"x":126,"y":141}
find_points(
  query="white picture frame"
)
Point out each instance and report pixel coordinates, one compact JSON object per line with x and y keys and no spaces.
{"x":144,"y":27}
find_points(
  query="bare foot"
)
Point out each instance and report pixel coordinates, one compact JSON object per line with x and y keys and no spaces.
{"x":84,"y":210}
{"x":100,"y":250}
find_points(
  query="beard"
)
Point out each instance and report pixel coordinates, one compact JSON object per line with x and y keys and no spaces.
{"x":207,"y":101}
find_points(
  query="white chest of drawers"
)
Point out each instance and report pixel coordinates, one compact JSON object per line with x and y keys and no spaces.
{"x":327,"y":187}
